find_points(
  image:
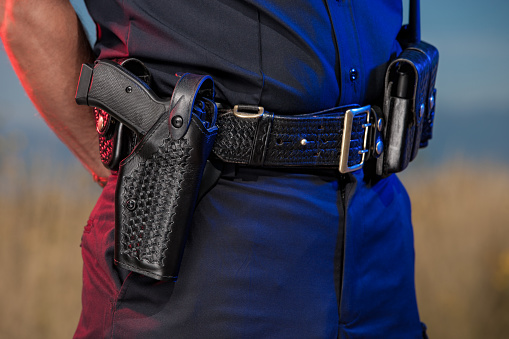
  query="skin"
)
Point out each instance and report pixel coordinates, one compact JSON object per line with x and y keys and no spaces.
{"x":46,"y":44}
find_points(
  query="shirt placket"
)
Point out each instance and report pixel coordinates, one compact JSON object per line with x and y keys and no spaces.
{"x":348,"y":45}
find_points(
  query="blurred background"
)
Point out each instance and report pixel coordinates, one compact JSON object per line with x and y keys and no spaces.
{"x":459,"y":187}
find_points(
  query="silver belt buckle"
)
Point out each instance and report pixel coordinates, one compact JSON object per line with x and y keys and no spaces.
{"x":347,"y":135}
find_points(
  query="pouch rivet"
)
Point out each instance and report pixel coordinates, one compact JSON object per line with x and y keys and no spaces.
{"x":128,"y":89}
{"x":379,"y":147}
{"x":379,"y":124}
{"x":130,"y":204}
{"x":304,"y":142}
{"x":177,"y":121}
{"x":421,"y":111}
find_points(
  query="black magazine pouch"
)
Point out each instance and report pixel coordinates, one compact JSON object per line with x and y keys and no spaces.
{"x":409,"y":98}
{"x":159,"y":182}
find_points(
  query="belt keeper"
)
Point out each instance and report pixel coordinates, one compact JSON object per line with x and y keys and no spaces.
{"x":261,"y":138}
{"x":263,"y":129}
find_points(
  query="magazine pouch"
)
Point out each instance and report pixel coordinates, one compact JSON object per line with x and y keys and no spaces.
{"x":409,"y":106}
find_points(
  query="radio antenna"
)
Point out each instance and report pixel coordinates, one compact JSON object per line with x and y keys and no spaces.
{"x":414,"y":21}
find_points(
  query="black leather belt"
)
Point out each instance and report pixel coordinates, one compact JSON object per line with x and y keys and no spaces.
{"x":341,"y":137}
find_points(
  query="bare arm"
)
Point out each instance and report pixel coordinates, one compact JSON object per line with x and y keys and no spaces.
{"x":46,"y":44}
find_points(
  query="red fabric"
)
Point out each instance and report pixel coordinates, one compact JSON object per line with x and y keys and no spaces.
{"x":101,"y":282}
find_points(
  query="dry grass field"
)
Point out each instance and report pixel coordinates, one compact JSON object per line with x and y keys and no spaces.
{"x":42,"y":214}
{"x":461,"y":223}
{"x":461,"y":217}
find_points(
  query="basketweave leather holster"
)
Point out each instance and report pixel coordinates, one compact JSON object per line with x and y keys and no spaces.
{"x":159,"y":182}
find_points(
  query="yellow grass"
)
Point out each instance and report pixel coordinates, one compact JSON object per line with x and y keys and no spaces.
{"x":41,"y":222}
{"x":461,"y":223}
{"x":461,"y":218}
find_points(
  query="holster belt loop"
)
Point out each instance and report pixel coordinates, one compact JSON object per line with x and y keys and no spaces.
{"x":263,"y":127}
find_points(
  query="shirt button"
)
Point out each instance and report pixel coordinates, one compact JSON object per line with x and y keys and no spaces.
{"x":353,"y":74}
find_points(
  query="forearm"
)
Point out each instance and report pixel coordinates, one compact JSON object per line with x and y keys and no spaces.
{"x":47,"y":45}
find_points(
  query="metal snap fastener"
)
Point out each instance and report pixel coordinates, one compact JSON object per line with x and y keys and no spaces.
{"x":177,"y":121}
{"x":431,"y":102}
{"x":379,"y":124}
{"x":379,"y":147}
{"x":421,"y":111}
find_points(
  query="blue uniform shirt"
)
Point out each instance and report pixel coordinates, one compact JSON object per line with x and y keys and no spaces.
{"x":288,"y":56}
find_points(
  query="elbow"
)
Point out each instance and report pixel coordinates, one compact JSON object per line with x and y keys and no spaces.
{"x":14,"y":15}
{"x":7,"y":19}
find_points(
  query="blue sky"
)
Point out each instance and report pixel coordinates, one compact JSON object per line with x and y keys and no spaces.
{"x":473,"y":90}
{"x":473,"y":40}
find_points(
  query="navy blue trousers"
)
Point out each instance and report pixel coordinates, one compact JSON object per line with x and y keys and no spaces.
{"x":265,"y":260}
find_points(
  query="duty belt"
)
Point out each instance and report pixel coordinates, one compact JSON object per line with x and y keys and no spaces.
{"x":344,"y":137}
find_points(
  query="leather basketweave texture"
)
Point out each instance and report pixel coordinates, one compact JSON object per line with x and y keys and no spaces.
{"x":427,"y":131}
{"x":156,"y":194}
{"x":236,"y":138}
{"x":106,"y":149}
{"x":151,"y":194}
{"x":106,"y":140}
{"x":158,"y":184}
{"x":323,"y":142}
{"x":287,"y":141}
